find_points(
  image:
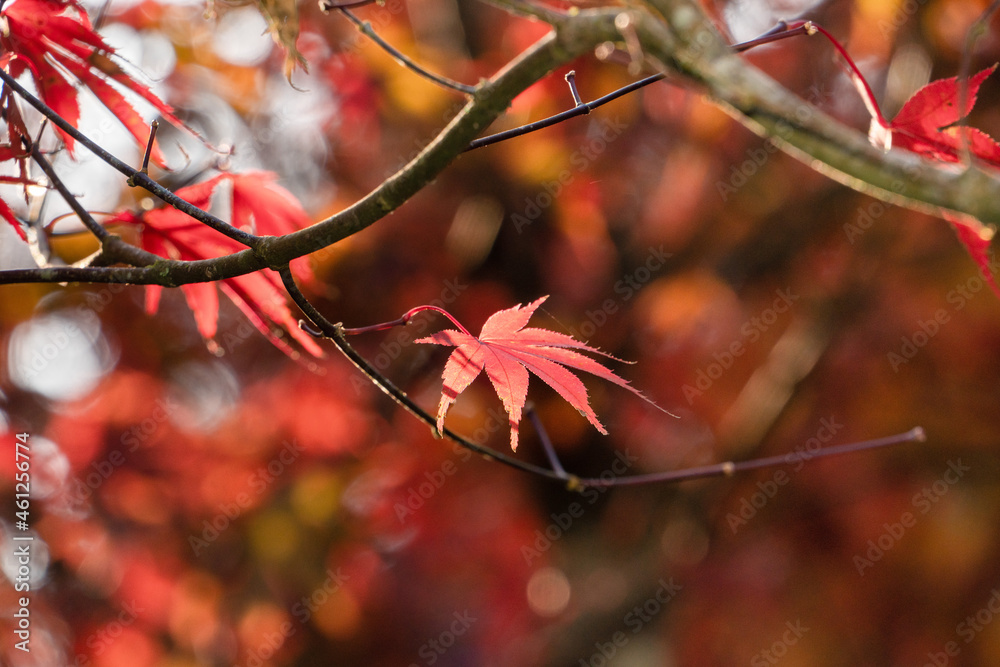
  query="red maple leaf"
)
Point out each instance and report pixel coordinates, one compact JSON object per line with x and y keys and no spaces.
{"x":54,"y":41}
{"x":508,"y":351}
{"x":257,"y":204}
{"x":928,"y":123}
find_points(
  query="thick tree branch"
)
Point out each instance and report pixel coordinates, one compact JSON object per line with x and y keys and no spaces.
{"x":492,"y":97}
{"x":693,"y":47}
{"x":686,"y":45}
{"x":572,"y":37}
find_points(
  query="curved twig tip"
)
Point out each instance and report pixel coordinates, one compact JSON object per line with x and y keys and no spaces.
{"x":310,"y":329}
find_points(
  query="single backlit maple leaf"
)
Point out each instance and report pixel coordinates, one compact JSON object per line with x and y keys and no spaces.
{"x":928,"y":124}
{"x":507,"y":351}
{"x":929,"y":121}
{"x":54,"y":42}
{"x":256,"y":204}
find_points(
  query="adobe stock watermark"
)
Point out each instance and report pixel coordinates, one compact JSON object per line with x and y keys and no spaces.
{"x":54,"y":334}
{"x":432,"y":650}
{"x":768,"y":489}
{"x":903,"y":13}
{"x":258,"y":482}
{"x":967,"y":630}
{"x":912,"y":344}
{"x":635,"y":620}
{"x":750,"y":333}
{"x":773,"y":654}
{"x":378,"y":18}
{"x":303,"y":610}
{"x":84,"y":485}
{"x":755,"y":158}
{"x":419,"y":145}
{"x":958,"y":297}
{"x":626,"y":288}
{"x":563,"y":521}
{"x":418,"y":494}
{"x":603,"y":134}
{"x":101,"y":640}
{"x":63,"y":329}
{"x":868,"y":214}
{"x":922,"y":502}
{"x":230,"y":339}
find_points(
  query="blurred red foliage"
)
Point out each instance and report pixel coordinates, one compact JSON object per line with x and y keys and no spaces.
{"x":237,"y":508}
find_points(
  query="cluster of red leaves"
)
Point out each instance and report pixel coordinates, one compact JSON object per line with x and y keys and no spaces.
{"x":54,"y":42}
{"x":258,"y":205}
{"x":928,"y":123}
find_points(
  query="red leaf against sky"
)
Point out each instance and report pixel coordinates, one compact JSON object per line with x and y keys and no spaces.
{"x":508,"y":351}
{"x":257,"y":204}
{"x":54,"y":41}
{"x":11,"y":153}
{"x":7,"y":214}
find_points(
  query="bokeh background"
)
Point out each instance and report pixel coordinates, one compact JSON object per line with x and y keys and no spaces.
{"x":248,"y":509}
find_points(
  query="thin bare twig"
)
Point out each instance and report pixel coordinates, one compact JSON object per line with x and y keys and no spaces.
{"x":149,"y":147}
{"x":730,"y":468}
{"x":318,"y":324}
{"x":578,"y":110}
{"x":976,"y":31}
{"x":86,"y":218}
{"x":571,"y":81}
{"x":779,"y":32}
{"x":135,"y":177}
{"x":366,"y":29}
{"x":543,"y":436}
{"x":329,"y":5}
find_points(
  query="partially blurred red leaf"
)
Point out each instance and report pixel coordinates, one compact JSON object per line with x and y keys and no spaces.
{"x":976,"y":237}
{"x":54,"y":41}
{"x":257,"y":204}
